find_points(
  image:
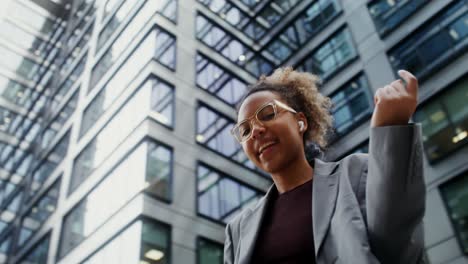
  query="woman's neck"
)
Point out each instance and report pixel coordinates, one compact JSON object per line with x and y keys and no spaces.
{"x":292,"y":176}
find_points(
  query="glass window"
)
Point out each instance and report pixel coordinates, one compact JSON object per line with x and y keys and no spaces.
{"x":231,"y":48}
{"x":68,"y":81}
{"x":162,"y":102}
{"x":19,"y":11}
{"x":60,"y":116}
{"x":331,"y":56}
{"x":39,"y":213}
{"x":6,"y":190}
{"x":76,"y":36}
{"x":17,"y":93}
{"x":306,"y":26}
{"x":388,"y":15}
{"x":116,"y":20}
{"x":6,"y":118}
{"x":3,"y":225}
{"x":444,"y":120}
{"x":219,"y":82}
{"x":455,"y":195}
{"x":156,"y":40}
{"x":130,"y":115}
{"x":209,"y":252}
{"x":167,"y":8}
{"x":5,"y":246}
{"x":39,"y":253}
{"x":145,"y":241}
{"x":159,"y":171}
{"x":23,"y":38}
{"x":236,"y":17}
{"x":23,"y":66}
{"x":50,"y":163}
{"x":42,"y":173}
{"x":150,"y":165}
{"x":163,"y":49}
{"x":220,"y":198}
{"x":436,"y":43}
{"x":15,"y":203}
{"x":213,"y":132}
{"x":352,"y":105}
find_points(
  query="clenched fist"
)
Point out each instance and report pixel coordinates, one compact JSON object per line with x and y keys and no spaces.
{"x":395,"y":104}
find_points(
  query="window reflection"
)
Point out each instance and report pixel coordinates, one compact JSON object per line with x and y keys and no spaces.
{"x":150,"y":165}
{"x":129,"y":69}
{"x":16,"y":63}
{"x":163,"y":49}
{"x":305,"y":27}
{"x":352,"y":105}
{"x":113,"y":133}
{"x":221,"y":198}
{"x":388,"y":15}
{"x":217,"y":81}
{"x":126,"y":10}
{"x":444,"y":121}
{"x":209,"y":252}
{"x":145,"y":241}
{"x":435,"y":43}
{"x":455,"y":195}
{"x":231,"y":48}
{"x":236,"y":17}
{"x":22,"y":12}
{"x":331,"y":56}
{"x":39,"y":253}
{"x":5,"y":247}
{"x":39,"y":213}
{"x":213,"y":131}
{"x":17,"y":93}
{"x":161,"y":102}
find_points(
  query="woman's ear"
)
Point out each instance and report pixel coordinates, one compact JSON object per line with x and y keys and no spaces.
{"x":302,"y":122}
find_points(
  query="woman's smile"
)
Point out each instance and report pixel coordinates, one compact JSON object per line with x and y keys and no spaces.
{"x":268,"y":150}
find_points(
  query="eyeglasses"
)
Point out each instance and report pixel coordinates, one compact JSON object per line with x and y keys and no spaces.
{"x":242,"y":131}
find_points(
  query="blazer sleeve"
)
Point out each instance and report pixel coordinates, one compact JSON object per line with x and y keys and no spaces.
{"x":228,"y":246}
{"x":395,"y":193}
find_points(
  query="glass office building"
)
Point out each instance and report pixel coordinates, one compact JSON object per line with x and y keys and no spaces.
{"x":115,"y":116}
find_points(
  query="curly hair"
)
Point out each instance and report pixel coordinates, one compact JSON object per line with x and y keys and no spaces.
{"x":300,"y":91}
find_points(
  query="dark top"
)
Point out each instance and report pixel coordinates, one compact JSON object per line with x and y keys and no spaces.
{"x":285,"y":236}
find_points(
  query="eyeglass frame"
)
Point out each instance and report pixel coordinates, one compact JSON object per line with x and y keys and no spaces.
{"x":275,"y":103}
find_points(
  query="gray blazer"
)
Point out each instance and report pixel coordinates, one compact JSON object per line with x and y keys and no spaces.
{"x":366,"y":208}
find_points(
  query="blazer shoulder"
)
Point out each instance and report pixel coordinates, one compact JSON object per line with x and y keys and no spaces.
{"x":355,"y":167}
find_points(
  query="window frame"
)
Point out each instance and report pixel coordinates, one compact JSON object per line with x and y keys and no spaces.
{"x":200,"y":104}
{"x":437,"y":97}
{"x":198,"y":240}
{"x":200,"y":163}
{"x":340,"y":68}
{"x":448,"y":210}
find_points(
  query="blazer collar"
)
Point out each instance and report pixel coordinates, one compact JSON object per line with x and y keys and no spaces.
{"x":323,"y":205}
{"x":324,"y":193}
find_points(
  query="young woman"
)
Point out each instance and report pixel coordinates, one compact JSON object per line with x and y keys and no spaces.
{"x":361,"y":209}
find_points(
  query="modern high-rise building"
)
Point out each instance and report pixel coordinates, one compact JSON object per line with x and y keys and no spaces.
{"x":115,"y":116}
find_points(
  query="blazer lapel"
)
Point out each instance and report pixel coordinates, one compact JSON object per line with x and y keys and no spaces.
{"x":250,"y":227}
{"x":325,"y":186}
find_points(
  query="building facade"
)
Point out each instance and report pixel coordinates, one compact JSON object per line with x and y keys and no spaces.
{"x":115,"y":116}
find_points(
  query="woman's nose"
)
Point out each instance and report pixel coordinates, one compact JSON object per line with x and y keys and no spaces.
{"x":257,"y":128}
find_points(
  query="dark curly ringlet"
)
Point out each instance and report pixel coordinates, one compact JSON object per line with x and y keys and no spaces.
{"x":300,"y":91}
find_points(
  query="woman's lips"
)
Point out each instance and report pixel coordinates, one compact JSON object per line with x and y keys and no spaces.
{"x":268,"y":151}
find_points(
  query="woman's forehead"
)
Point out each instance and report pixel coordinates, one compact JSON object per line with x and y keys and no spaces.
{"x":254,"y":101}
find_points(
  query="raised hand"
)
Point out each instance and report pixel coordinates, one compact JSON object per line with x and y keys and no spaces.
{"x":395,"y":103}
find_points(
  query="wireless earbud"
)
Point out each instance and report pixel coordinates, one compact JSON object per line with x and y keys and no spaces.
{"x":301,"y":125}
